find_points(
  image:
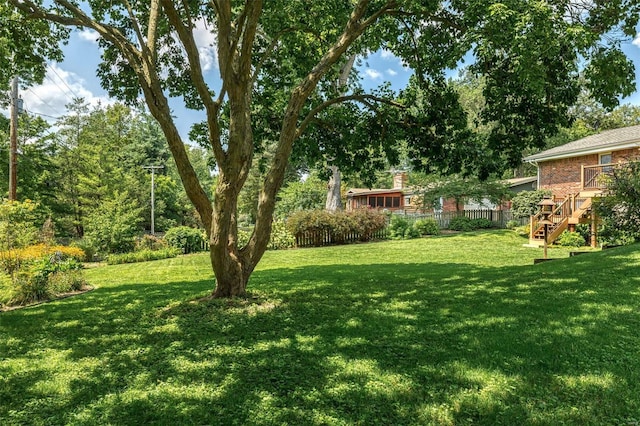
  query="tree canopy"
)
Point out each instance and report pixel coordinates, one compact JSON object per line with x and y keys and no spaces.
{"x":279,"y":61}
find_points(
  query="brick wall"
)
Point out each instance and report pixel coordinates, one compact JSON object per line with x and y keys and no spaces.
{"x":563,"y":177}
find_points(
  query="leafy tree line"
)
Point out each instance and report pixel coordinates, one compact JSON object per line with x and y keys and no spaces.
{"x":86,"y":173}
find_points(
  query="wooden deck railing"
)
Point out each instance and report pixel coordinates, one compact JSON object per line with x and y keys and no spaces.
{"x":596,"y":177}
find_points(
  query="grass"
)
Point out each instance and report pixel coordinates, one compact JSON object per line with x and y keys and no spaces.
{"x":457,"y":329}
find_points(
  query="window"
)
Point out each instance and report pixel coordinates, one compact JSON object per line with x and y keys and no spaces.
{"x":606,"y":159}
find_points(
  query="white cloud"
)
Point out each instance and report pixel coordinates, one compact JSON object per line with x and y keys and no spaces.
{"x":373,"y":74}
{"x":89,"y":35}
{"x":207,"y":45}
{"x":392,"y":72}
{"x":636,"y":41}
{"x":58,"y":89}
{"x":387,"y":54}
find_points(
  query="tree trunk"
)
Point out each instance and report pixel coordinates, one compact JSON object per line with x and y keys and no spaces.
{"x":334,"y":199}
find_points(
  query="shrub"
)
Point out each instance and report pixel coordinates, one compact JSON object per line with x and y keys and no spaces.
{"x":338,"y":226}
{"x":481,"y":223}
{"x":523,"y":231}
{"x":11,"y":260}
{"x":525,"y":203}
{"x":64,"y":282}
{"x":112,"y":228}
{"x":281,"y":238}
{"x":18,"y":224}
{"x":426,"y":227}
{"x":44,"y":278}
{"x":399,"y":227}
{"x":512,"y":224}
{"x":570,"y":239}
{"x":143,"y":256}
{"x":461,"y":223}
{"x":243,"y":236}
{"x":185,"y":238}
{"x":89,"y":250}
{"x":149,"y":242}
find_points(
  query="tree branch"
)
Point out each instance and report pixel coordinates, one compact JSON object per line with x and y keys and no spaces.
{"x":364,"y":98}
{"x":212,"y":108}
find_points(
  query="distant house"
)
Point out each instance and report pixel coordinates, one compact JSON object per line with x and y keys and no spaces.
{"x":576,"y":172}
{"x":401,"y":198}
{"x":394,"y":199}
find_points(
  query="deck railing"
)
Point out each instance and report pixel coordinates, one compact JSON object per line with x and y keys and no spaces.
{"x":596,"y":177}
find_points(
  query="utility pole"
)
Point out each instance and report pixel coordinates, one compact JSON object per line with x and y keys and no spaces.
{"x":13,"y":142}
{"x":153,"y":201}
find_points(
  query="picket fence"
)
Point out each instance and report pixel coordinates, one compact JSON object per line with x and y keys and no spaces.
{"x":499,"y":217}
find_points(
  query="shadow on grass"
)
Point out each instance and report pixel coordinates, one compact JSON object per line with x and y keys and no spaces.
{"x":366,"y":344}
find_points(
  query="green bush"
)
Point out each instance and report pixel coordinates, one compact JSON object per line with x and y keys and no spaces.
{"x":113,"y":227}
{"x":64,"y":282}
{"x":571,"y":239}
{"x":18,"y":224}
{"x":281,"y":238}
{"x":90,"y":252}
{"x":512,"y":224}
{"x":45,"y":278}
{"x":149,"y":242}
{"x":426,"y":227}
{"x":609,"y":235}
{"x":465,"y":224}
{"x":187,"y":239}
{"x":525,"y":203}
{"x":461,"y":223}
{"x":481,"y":223}
{"x":523,"y":231}
{"x":339,"y":225}
{"x":143,"y":256}
{"x":399,"y":228}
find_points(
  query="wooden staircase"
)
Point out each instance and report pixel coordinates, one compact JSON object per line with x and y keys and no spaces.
{"x":574,"y":209}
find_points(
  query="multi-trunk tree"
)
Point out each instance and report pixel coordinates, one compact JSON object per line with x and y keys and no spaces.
{"x":285,"y":55}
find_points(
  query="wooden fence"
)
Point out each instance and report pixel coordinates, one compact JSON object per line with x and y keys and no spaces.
{"x":326,"y":238}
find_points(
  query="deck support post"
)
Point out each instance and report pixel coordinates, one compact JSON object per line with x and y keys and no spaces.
{"x":594,"y":229}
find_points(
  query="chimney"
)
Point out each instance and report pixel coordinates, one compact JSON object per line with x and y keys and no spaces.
{"x":399,"y":180}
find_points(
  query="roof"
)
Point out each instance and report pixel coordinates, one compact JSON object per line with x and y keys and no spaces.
{"x":362,"y":191}
{"x":520,"y":181}
{"x":625,"y":137}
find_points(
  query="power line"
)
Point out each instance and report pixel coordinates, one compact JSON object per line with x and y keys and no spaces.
{"x":43,"y":101}
{"x":62,"y":90}
{"x":42,"y":115}
{"x":63,"y":81}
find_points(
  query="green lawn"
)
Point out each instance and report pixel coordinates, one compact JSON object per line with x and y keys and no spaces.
{"x":457,"y":329}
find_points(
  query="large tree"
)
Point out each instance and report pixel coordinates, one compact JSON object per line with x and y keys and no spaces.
{"x":292,"y":50}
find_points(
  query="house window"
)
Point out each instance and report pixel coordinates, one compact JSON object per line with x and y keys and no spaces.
{"x":380,"y":201}
{"x":372,"y":202}
{"x":396,"y":202}
{"x":606,"y":159}
{"x":388,"y":202}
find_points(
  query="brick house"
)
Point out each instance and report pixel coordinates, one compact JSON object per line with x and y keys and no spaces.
{"x":401,"y":198}
{"x":576,"y":172}
{"x":396,"y":198}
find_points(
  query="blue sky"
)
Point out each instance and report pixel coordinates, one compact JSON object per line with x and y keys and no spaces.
{"x":75,"y":77}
